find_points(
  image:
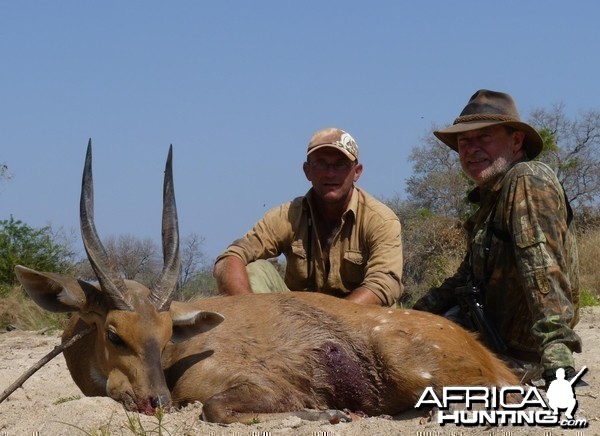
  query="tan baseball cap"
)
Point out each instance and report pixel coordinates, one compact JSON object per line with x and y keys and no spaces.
{"x":334,"y":138}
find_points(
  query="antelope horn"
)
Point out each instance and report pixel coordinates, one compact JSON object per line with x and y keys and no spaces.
{"x":110,"y":280}
{"x":162,"y":292}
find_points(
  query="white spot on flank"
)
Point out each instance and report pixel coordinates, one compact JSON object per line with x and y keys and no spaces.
{"x":390,"y":312}
{"x":376,"y":328}
{"x":406,"y":312}
{"x":437,"y":347}
{"x":426,"y":375}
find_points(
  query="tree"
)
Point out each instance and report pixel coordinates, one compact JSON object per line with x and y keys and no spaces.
{"x":140,"y":260}
{"x":433,"y":244}
{"x":41,"y":249}
{"x":572,"y":149}
{"x":135,"y":258}
{"x":196,"y":270}
{"x":192,"y":258}
{"x":437,"y":184}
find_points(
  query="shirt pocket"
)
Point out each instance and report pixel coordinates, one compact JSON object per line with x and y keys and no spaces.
{"x":534,"y":258}
{"x":353,"y":269}
{"x":296,"y":271}
{"x":298,"y":249}
{"x":530,"y":236}
{"x":532,"y":247}
{"x":532,"y":242}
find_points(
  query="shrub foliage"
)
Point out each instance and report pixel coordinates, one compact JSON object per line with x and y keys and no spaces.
{"x":21,"y":244}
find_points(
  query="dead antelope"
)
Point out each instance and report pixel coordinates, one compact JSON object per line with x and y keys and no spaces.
{"x":253,"y":356}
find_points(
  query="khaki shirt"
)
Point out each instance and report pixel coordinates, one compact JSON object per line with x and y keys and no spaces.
{"x":365,"y":251}
{"x":523,"y":255}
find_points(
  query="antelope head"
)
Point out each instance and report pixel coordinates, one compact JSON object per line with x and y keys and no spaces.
{"x":133,"y":324}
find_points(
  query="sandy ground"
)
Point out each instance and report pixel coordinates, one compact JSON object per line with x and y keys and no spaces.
{"x":49,"y":403}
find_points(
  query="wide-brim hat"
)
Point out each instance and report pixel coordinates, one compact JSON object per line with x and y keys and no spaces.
{"x":490,"y":108}
{"x":334,"y":138}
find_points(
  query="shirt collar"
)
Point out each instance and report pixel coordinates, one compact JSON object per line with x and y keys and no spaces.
{"x":352,"y":205}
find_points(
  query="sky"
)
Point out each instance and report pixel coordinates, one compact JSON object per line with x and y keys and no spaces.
{"x":239,"y":87}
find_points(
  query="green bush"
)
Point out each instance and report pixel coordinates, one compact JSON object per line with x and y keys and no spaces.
{"x":21,"y":244}
{"x":588,"y":298}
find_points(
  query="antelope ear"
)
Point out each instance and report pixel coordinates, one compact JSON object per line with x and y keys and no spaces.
{"x":188,"y":321}
{"x":54,"y":292}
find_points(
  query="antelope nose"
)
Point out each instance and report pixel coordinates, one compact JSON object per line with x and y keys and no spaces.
{"x":160,"y":401}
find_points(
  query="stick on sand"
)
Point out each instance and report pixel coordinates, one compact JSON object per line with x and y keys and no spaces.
{"x":47,"y":358}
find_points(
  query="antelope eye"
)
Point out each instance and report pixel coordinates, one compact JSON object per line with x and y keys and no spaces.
{"x":114,"y":338}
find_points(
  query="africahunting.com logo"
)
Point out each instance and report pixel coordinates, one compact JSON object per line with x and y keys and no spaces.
{"x":483,"y":406}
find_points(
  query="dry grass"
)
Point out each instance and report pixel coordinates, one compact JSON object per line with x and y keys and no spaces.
{"x":17,"y":310}
{"x":589,"y":253}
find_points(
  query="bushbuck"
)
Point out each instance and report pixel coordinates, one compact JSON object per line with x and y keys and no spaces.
{"x":250,"y":357}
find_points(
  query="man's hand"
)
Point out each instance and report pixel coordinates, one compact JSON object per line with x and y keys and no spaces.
{"x":364,"y":296}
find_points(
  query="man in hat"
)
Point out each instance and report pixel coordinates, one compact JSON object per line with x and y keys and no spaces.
{"x":521,"y":257}
{"x":336,"y":239}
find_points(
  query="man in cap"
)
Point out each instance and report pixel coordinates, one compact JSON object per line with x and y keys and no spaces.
{"x":521,"y":255}
{"x":336,"y":239}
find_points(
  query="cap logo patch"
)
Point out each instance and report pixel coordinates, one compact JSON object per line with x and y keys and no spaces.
{"x":347,"y":143}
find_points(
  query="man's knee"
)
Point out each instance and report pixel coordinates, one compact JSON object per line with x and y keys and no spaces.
{"x":264,"y":277}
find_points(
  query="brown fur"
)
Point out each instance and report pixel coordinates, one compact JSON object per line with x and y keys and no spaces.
{"x":274,"y":354}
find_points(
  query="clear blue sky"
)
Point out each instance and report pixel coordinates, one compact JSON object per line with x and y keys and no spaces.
{"x":238,"y":88}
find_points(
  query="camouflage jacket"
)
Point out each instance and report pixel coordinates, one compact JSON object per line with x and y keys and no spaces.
{"x":523,"y":255}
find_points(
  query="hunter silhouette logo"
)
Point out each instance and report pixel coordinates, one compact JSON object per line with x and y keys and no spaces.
{"x":561,"y":394}
{"x":497,"y":405}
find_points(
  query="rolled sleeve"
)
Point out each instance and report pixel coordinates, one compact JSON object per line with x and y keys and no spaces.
{"x":265,"y":240}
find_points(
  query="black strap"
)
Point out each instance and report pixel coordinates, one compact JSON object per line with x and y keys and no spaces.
{"x":569,"y":209}
{"x":309,"y":263}
{"x":491,"y":230}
